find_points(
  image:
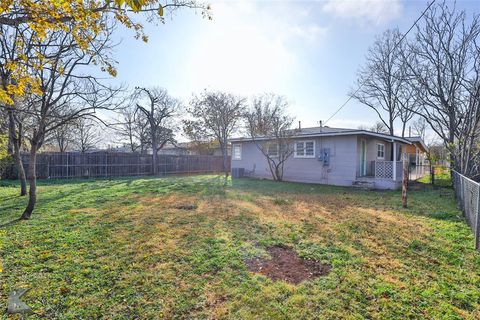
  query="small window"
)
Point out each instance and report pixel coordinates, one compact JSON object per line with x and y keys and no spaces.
{"x":380,"y":151}
{"x":304,"y":149}
{"x":237,"y":152}
{"x":272,"y":150}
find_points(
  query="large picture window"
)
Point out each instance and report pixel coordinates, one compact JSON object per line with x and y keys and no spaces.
{"x":304,"y":149}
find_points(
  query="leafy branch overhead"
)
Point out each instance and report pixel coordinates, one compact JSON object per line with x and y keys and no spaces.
{"x":84,"y":20}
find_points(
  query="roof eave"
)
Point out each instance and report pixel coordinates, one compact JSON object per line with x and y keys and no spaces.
{"x":331,"y":134}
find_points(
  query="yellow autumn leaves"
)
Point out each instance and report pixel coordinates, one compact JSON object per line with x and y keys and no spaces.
{"x":83,"y":19}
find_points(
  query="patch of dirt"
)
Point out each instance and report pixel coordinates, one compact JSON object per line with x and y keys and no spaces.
{"x":285,"y":264}
{"x":186,"y":207}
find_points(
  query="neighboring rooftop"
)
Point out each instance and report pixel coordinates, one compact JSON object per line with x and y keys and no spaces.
{"x":418,"y":140}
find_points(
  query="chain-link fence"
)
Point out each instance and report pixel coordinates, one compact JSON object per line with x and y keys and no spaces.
{"x":467,"y":193}
{"x":416,"y":172}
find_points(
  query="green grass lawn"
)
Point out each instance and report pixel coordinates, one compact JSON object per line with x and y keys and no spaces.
{"x":442,"y":177}
{"x":122,"y":249}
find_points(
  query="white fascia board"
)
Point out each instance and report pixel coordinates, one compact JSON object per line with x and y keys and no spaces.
{"x":332,"y":134}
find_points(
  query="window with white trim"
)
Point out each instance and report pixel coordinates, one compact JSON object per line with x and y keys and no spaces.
{"x":237,"y":152}
{"x":304,"y":149}
{"x":272,"y":150}
{"x":380,"y":151}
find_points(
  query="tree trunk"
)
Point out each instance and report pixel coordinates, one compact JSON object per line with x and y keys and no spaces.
{"x":32,"y":179}
{"x":16,"y":140}
{"x":225,"y":160}
{"x":279,"y":172}
{"x":432,"y":174}
{"x":21,"y":171}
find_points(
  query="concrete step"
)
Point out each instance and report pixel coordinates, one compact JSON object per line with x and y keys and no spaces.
{"x":364,"y":185}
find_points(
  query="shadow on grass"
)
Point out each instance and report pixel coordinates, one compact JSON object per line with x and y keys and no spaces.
{"x":79,"y":193}
{"x":269,"y":187}
{"x":9,"y":223}
{"x":17,"y":204}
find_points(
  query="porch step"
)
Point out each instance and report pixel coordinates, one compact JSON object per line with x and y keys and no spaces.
{"x":364,"y":185}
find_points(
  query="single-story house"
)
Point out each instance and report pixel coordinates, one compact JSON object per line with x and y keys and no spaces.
{"x":417,"y":157}
{"x":333,"y":156}
{"x":177,"y":149}
{"x":416,"y":151}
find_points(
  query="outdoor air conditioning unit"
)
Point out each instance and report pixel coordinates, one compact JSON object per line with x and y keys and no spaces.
{"x":238,"y":172}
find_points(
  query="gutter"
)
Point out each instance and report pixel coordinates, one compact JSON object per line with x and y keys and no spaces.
{"x":332,"y":134}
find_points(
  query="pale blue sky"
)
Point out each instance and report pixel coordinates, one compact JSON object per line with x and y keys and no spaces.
{"x":308,"y":51}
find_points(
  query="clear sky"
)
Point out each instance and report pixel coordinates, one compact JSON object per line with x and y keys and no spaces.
{"x":308,"y":51}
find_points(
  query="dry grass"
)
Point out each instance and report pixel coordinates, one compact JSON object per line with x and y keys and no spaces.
{"x":134,"y":253}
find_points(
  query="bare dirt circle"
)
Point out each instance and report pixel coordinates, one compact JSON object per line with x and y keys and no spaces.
{"x":286,"y":265}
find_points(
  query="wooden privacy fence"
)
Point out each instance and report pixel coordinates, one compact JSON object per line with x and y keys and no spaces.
{"x":115,"y":164}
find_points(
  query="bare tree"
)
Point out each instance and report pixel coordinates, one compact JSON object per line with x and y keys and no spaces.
{"x":158,"y":108}
{"x":269,"y":126}
{"x":215,"y":116}
{"x":444,"y":70}
{"x":363,"y":127}
{"x":86,"y":135}
{"x":132,"y":129}
{"x":381,"y":82}
{"x":419,"y":127}
{"x":126,"y":129}
{"x":69,"y":92}
{"x":436,"y":154}
{"x":379,"y":127}
{"x":62,"y":137}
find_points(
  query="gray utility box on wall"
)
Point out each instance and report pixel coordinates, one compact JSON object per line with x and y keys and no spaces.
{"x":238,"y":172}
{"x":324,"y":156}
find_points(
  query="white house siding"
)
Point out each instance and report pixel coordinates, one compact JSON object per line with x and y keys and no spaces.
{"x":341,"y":171}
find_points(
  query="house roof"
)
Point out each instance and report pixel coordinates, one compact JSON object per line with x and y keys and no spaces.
{"x":330,"y":132}
{"x":418,"y":140}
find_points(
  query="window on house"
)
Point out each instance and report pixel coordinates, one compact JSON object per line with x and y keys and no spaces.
{"x":380,"y":151}
{"x":272,"y":149}
{"x":237,"y":152}
{"x":304,"y":149}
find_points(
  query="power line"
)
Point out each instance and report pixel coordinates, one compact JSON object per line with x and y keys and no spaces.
{"x":394,"y":47}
